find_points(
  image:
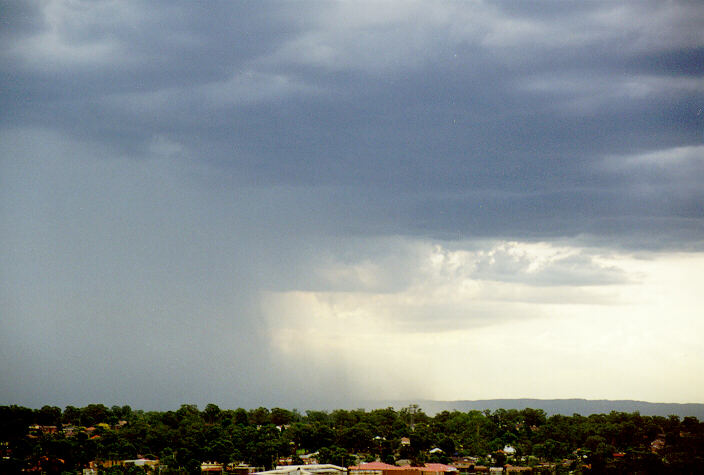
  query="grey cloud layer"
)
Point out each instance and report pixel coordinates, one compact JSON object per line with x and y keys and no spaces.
{"x":466,"y":119}
{"x":137,"y":280}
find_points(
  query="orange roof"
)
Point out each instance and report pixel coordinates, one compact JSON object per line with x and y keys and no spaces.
{"x":375,"y":466}
{"x":439,"y":467}
{"x":429,"y":467}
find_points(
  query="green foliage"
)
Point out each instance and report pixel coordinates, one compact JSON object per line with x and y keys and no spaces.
{"x":182,"y":439}
{"x":335,"y":455}
{"x":259,"y":416}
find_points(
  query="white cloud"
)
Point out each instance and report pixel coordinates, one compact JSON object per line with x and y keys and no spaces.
{"x":383,"y":36}
{"x":652,"y":26}
{"x":608,"y":87}
{"x":580,"y":94}
{"x":408,"y":263}
{"x":662,"y":159}
{"x":633,"y":346}
{"x":442,"y":290}
{"x":77,"y":33}
{"x":370,"y":36}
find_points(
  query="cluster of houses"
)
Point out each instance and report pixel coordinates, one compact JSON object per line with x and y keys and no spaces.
{"x":93,"y":467}
{"x":37,"y":430}
{"x":310,"y":465}
{"x":460,"y":466}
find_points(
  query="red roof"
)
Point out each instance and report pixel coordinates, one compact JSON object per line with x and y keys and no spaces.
{"x":375,"y":466}
{"x":429,"y":467}
{"x":439,"y":467}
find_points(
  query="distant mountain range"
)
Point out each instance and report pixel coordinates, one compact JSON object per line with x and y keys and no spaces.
{"x":567,"y":407}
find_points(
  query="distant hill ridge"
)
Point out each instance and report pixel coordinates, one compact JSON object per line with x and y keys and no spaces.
{"x":566,"y":407}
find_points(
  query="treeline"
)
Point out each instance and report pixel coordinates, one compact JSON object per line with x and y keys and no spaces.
{"x":51,"y":439}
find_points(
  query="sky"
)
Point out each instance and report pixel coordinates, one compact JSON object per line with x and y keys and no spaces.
{"x":311,"y":204}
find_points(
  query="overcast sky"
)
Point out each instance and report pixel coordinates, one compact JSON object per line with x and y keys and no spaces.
{"x":315,"y":203}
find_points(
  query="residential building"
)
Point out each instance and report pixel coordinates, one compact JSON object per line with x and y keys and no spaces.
{"x":309,"y":469}
{"x":380,"y":468}
{"x":211,"y":468}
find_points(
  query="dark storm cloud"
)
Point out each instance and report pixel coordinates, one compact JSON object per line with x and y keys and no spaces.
{"x":505,"y":110}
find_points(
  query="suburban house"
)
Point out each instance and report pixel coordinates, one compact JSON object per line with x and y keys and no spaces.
{"x":310,"y":469}
{"x":211,"y":467}
{"x":380,"y":468}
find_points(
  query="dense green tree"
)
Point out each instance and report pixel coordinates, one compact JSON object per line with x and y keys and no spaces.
{"x":357,"y":438}
{"x":280,"y":416}
{"x":14,"y":421}
{"x":49,"y":416}
{"x":211,"y":413}
{"x":260,"y":416}
{"x":320,"y":417}
{"x":241,"y":417}
{"x":341,"y":418}
{"x":335,"y":455}
{"x":71,"y":416}
{"x":188,"y":412}
{"x":94,"y":414}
